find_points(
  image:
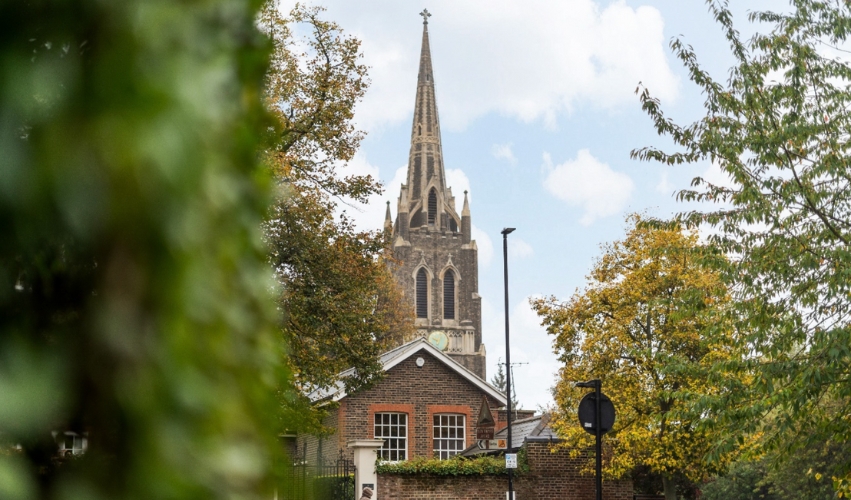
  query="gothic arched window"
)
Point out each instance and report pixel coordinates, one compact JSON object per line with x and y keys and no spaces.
{"x":449,"y":295}
{"x":432,"y":206}
{"x":422,"y":294}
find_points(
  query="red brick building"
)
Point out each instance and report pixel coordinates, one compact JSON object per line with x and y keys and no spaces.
{"x":426,"y":405}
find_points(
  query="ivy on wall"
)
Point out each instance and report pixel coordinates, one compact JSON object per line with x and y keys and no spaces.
{"x":456,"y":466}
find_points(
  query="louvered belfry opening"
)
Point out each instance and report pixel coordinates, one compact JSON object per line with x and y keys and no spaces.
{"x":422,"y":294}
{"x":432,"y":207}
{"x":449,"y":295}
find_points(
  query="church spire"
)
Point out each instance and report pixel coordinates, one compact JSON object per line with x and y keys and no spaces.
{"x":425,"y":165}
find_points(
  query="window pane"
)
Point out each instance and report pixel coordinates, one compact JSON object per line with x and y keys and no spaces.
{"x":392,"y":427}
{"x":448,"y":435}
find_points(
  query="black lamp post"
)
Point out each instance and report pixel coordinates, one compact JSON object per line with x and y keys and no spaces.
{"x":508,"y":448}
{"x":597,"y":385}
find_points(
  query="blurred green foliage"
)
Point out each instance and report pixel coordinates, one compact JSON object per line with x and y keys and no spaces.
{"x":135,"y":298}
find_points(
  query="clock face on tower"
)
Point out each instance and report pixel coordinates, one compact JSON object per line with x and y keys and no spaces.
{"x":438,"y":339}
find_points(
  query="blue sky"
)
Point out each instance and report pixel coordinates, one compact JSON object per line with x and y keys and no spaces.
{"x":538,"y":114}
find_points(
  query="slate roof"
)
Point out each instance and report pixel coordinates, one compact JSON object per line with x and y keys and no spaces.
{"x":535,"y":428}
{"x":532,"y":427}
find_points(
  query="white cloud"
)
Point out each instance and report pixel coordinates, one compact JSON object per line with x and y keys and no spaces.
{"x":530,"y":344}
{"x":370,"y":216}
{"x":590,"y":184}
{"x":459,"y":182}
{"x":485,"y":245}
{"x":503,"y":152}
{"x":530,"y":59}
{"x":715,"y":175}
{"x":519,"y":249}
{"x":665,"y":186}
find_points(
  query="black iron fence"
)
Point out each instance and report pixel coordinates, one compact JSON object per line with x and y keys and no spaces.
{"x":332,"y":479}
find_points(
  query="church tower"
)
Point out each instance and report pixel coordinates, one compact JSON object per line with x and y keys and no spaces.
{"x":437,"y":261}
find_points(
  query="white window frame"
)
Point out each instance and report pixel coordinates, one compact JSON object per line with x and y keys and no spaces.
{"x":392,"y":450}
{"x":78,"y":446}
{"x":446,"y":430}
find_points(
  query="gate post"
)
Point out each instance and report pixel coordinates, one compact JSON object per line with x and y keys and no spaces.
{"x":365,"y":455}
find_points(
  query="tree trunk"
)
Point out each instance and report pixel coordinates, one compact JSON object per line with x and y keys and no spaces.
{"x":670,"y":488}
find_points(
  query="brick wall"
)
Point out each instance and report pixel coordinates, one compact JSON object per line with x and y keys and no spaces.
{"x":552,"y":475}
{"x":322,"y":449}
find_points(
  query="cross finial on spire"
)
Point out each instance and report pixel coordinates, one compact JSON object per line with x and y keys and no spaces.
{"x":426,"y":14}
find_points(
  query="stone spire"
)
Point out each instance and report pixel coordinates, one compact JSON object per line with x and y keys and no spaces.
{"x":425,"y":201}
{"x":465,"y":212}
{"x":435,"y":259}
{"x":388,"y":220}
{"x":466,"y":222}
{"x":425,"y":161}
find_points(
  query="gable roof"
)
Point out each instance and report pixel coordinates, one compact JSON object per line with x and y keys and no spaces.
{"x":395,"y":356}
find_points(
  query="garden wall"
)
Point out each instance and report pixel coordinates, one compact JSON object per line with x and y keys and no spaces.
{"x":551,"y":475}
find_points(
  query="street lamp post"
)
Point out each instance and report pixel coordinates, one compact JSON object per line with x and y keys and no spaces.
{"x":505,"y":233}
{"x":597,"y":385}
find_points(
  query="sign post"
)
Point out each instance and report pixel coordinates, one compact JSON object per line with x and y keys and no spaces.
{"x":596,"y":416}
{"x":491,"y":444}
{"x":484,"y":432}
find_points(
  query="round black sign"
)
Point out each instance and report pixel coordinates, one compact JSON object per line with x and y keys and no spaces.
{"x":587,"y":409}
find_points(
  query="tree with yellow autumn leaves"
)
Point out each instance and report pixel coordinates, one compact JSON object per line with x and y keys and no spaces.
{"x":639,"y":326}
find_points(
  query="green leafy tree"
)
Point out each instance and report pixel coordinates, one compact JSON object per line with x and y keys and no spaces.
{"x":135,"y":295}
{"x":343,"y":308}
{"x":640,"y":326}
{"x":778,"y":128}
{"x":806,"y":474}
{"x":745,"y":480}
